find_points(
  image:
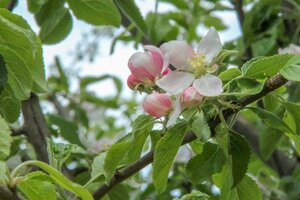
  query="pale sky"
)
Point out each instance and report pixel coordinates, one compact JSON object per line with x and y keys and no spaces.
{"x":115,"y":64}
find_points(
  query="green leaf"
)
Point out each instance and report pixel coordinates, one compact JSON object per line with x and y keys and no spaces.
{"x":141,"y":129}
{"x":4,"y":3}
{"x":266,"y":66}
{"x":19,"y":77}
{"x":35,"y":5}
{"x":96,"y":12}
{"x":55,"y":21}
{"x":294,"y":110}
{"x":247,"y":189}
{"x":164,"y":154}
{"x":205,"y":164}
{"x":115,"y":155}
{"x":6,"y":140}
{"x":292,"y":69}
{"x":37,"y":190}
{"x":240,"y":152}
{"x":58,"y":153}
{"x":271,"y":102}
{"x":67,"y":129}
{"x":26,"y":49}
{"x":268,"y":140}
{"x":119,"y":192}
{"x":10,"y":107}
{"x":289,"y":120}
{"x":3,"y":172}
{"x":271,"y":119}
{"x":3,"y":74}
{"x":130,"y":9}
{"x":60,"y":179}
{"x":201,"y":128}
{"x":98,"y":165}
{"x":230,"y":74}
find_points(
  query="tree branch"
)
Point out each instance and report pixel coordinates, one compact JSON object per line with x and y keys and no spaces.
{"x":36,"y":127}
{"x":12,"y":5}
{"x":272,"y":84}
{"x":7,"y":194}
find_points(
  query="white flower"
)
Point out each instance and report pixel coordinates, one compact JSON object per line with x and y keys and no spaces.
{"x":292,"y":49}
{"x":193,"y":68}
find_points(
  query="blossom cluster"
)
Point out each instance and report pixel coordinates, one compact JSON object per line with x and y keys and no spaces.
{"x":191,"y":80}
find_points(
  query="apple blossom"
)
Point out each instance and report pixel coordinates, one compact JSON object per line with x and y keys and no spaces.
{"x":132,"y":82}
{"x":157,"y":104}
{"x":292,"y":49}
{"x":146,"y":67}
{"x":193,"y":68}
{"x":190,"y":97}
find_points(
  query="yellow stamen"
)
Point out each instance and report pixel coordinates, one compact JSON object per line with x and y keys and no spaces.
{"x":198,"y":64}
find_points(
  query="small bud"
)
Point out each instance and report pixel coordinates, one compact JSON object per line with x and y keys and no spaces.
{"x":190,"y":97}
{"x":132,"y":82}
{"x":157,"y":104}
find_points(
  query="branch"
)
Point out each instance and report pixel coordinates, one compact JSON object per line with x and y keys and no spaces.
{"x":7,"y":194}
{"x":36,"y":127}
{"x":12,"y":5}
{"x":272,"y":84}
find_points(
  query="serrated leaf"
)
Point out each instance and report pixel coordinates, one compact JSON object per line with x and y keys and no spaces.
{"x":201,"y":128}
{"x":266,"y":66}
{"x":10,"y":107}
{"x":268,"y":140}
{"x":6,"y":139}
{"x":164,"y":154}
{"x":98,"y":165}
{"x":55,"y":21}
{"x":240,"y":153}
{"x":130,"y":9}
{"x":26,"y":47}
{"x":58,"y":153}
{"x":230,"y":74}
{"x":247,"y":189}
{"x":294,"y":110}
{"x":3,"y":74}
{"x":115,"y":156}
{"x":96,"y":12}
{"x":18,"y":74}
{"x":271,"y":119}
{"x":292,"y":69}
{"x":290,"y":121}
{"x":141,"y":129}
{"x":205,"y":164}
{"x":37,"y":190}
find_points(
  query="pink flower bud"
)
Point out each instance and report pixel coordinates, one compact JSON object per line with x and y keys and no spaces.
{"x":146,"y":66}
{"x":132,"y":82}
{"x":157,"y":104}
{"x":190,"y":97}
{"x":168,"y":70}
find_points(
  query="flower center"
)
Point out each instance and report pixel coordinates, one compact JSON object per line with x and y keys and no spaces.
{"x":198,"y":64}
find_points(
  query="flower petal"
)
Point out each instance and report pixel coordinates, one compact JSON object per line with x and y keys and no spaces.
{"x":177,"y":53}
{"x":175,"y":82}
{"x":210,"y":45}
{"x":175,"y":113}
{"x":209,"y":85}
{"x":156,"y":56}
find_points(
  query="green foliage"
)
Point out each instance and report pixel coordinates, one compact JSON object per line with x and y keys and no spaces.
{"x":268,"y":141}
{"x":205,"y":164}
{"x":3,"y":74}
{"x":266,"y":66}
{"x":37,"y":190}
{"x":292,"y":69}
{"x":240,"y":154}
{"x":10,"y":107}
{"x":55,"y":21}
{"x":294,"y":110}
{"x":6,"y":139}
{"x":230,"y":74}
{"x":98,"y":168}
{"x":96,"y":12}
{"x":201,"y":128}
{"x":130,"y":9}
{"x":58,"y":153}
{"x":164,"y":154}
{"x":60,"y":179}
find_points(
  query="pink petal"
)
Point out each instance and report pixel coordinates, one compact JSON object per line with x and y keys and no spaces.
{"x":209,"y":85}
{"x":177,"y":53}
{"x":175,"y":82}
{"x":210,"y":45}
{"x":175,"y":113}
{"x":157,"y":57}
{"x":157,"y":105}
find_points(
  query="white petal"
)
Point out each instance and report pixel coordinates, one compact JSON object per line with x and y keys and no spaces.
{"x":178,"y":53}
{"x":292,"y":49}
{"x":209,"y":85}
{"x":175,"y":82}
{"x":175,"y":113}
{"x":210,"y":45}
